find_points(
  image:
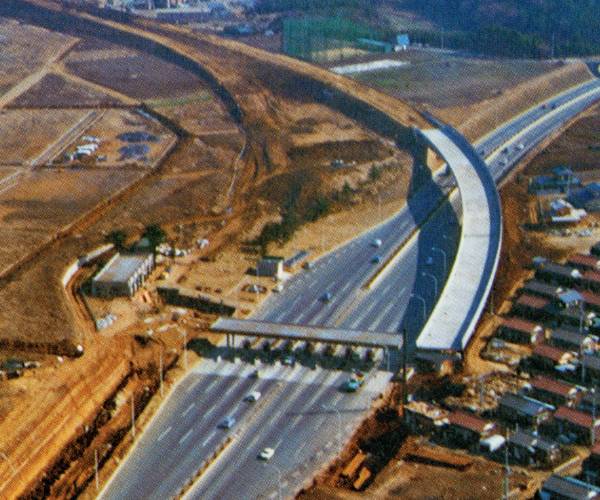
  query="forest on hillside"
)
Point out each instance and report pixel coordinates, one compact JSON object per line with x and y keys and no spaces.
{"x":512,"y":28}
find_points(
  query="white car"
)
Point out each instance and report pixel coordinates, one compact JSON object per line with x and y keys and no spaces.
{"x":278,"y":288}
{"x":253,"y":396}
{"x":376,"y":243}
{"x":266,"y":453}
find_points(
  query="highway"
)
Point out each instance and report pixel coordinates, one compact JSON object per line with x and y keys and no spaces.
{"x":291,"y":417}
{"x":185,"y":431}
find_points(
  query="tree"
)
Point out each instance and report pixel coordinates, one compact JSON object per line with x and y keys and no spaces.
{"x":155,"y":234}
{"x":117,"y":238}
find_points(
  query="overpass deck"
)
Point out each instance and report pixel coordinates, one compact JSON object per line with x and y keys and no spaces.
{"x":307,"y":333}
{"x":453,"y":319}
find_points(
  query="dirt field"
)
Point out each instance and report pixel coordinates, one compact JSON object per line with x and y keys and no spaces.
{"x":25,"y":49}
{"x":47,"y":126}
{"x":55,"y":91}
{"x":133,"y":73}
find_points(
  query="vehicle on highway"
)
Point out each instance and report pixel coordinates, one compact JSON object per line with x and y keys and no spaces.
{"x":520,"y":146}
{"x":253,"y":396}
{"x":255,"y":374}
{"x":307,"y":265}
{"x":376,"y":243}
{"x":326,"y":297}
{"x":227,"y":423}
{"x":351,"y":385}
{"x":505,"y":151}
{"x":429,"y":261}
{"x":289,"y":360}
{"x":553,"y":105}
{"x":266,"y":453}
{"x":278,"y":287}
{"x":376,"y":259}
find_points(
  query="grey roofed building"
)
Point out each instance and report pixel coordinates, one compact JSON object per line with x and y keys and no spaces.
{"x":587,"y":197}
{"x":528,"y":448}
{"x":591,"y":364}
{"x":558,"y":273}
{"x":522,"y":409}
{"x":568,"y":488}
{"x":569,"y":338}
{"x":535,"y":287}
{"x":588,"y":400}
{"x":122,"y":275}
{"x":270,"y":266}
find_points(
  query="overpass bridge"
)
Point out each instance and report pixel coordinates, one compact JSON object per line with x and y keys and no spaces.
{"x":457,"y":311}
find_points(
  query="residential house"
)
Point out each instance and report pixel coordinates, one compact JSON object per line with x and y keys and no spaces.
{"x":542,"y":289}
{"x":532,"y":307}
{"x":577,"y":425}
{"x":587,"y":197}
{"x":591,"y":466}
{"x":546,"y":357}
{"x":466,"y":429}
{"x":271,"y":267}
{"x":552,"y":391}
{"x":586,"y":262}
{"x":424,"y":418}
{"x":590,"y":365}
{"x":567,"y":488}
{"x":591,"y":300}
{"x":558,"y":274}
{"x":591,"y":280}
{"x":570,"y":338}
{"x":529,"y":449}
{"x":523,"y":410}
{"x":520,"y":331}
{"x":589,"y":402}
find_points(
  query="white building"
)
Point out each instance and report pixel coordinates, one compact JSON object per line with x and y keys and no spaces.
{"x":122,"y":275}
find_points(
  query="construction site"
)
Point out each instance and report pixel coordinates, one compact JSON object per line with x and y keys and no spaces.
{"x":118,"y":132}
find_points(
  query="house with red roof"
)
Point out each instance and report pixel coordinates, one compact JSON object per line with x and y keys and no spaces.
{"x":467,"y":429}
{"x":577,"y":424}
{"x":546,"y":357}
{"x":520,"y":331}
{"x":552,"y":391}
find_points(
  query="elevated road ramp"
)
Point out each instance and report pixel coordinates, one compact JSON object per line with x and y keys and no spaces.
{"x":455,"y":316}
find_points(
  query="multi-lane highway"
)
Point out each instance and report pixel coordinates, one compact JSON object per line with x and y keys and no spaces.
{"x":296,"y":403}
{"x":290,"y":416}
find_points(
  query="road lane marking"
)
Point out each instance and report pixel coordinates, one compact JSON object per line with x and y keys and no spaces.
{"x":164,"y":433}
{"x":193,"y":385}
{"x":210,"y":436}
{"x":185,"y":436}
{"x":187,"y":410}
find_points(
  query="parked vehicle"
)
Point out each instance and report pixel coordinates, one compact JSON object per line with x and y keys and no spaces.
{"x":227,"y":423}
{"x":266,"y":453}
{"x":376,"y":243}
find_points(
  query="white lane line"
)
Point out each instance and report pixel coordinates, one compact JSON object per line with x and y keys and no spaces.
{"x":364,"y":314}
{"x":382,"y":316}
{"x":187,"y":410}
{"x":191,"y":386}
{"x":164,"y":433}
{"x":185,"y":436}
{"x":210,"y":436}
{"x":278,"y":443}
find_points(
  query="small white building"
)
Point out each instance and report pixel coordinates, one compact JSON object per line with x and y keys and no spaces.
{"x":271,"y":267}
{"x":122,"y":275}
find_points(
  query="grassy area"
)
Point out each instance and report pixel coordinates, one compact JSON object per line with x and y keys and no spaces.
{"x":173,"y":102}
{"x":444,"y":81}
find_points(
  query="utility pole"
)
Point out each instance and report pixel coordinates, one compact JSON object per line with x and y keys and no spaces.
{"x":404,"y":374}
{"x":506,"y":482}
{"x":132,"y":418}
{"x":160,"y":369}
{"x":96,"y":469}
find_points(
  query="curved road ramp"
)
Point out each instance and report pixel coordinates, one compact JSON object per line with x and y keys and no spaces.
{"x":453,"y":320}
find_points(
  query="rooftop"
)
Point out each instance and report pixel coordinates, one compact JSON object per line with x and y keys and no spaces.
{"x":520,"y":325}
{"x":569,"y":336}
{"x":427,"y":409}
{"x":591,"y":361}
{"x":566,"y":487}
{"x":550,"y":352}
{"x":554,"y":386}
{"x":576,"y":417}
{"x":581,"y":260}
{"x":560,"y":270}
{"x":469,"y":421}
{"x":121,"y":267}
{"x":537,"y":287}
{"x":525,"y":405}
{"x":593,"y":276}
{"x":532,"y":301}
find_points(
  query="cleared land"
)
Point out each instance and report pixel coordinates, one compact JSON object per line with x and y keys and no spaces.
{"x":39,"y":128}
{"x":26,"y":49}
{"x":130,"y":72}
{"x":56,"y":91}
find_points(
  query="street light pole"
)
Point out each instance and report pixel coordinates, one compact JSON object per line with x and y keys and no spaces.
{"x":445,"y":257}
{"x":435,"y":282}
{"x":278,"y":477}
{"x":418,"y":297}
